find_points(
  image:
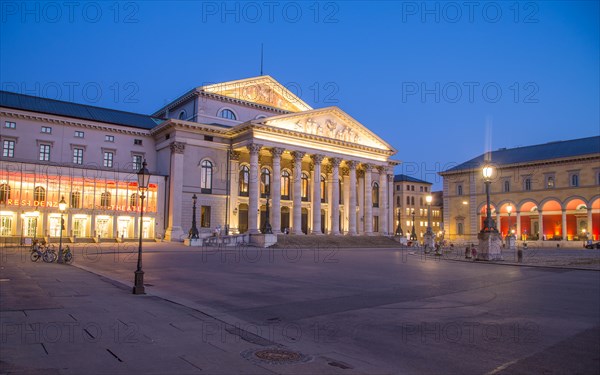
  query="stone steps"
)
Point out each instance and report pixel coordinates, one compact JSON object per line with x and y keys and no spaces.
{"x":284,"y":241}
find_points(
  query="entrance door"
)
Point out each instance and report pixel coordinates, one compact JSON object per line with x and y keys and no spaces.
{"x":285,"y":218}
{"x":243,"y":218}
{"x":54,"y":226}
{"x":146,"y":228}
{"x":123,"y":229}
{"x":29,"y":226}
{"x":5,"y":225}
{"x":304,"y":221}
{"x":102,"y":228}
{"x":323,"y":216}
{"x":79,"y":226}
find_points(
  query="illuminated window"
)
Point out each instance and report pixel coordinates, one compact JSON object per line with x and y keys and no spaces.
{"x":206,"y":176}
{"x":285,"y":184}
{"x":109,"y":138}
{"x":105,"y":199}
{"x":137,"y":162}
{"x":46,"y":129}
{"x":304,"y":186}
{"x":75,"y":200}
{"x":265,"y":182}
{"x":77,"y":156}
{"x":341,"y":190}
{"x":133,"y":200}
{"x":4,"y":193}
{"x":108,"y":159}
{"x":39,"y":194}
{"x":244,"y":179}
{"x":205,"y":216}
{"x":228,"y":114}
{"x":44,"y":152}
{"x":79,"y":134}
{"x":323,"y":189}
{"x":10,"y":125}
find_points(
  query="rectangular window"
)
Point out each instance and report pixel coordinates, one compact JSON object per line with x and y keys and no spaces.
{"x":421,"y":189}
{"x":205,"y":216}
{"x":77,"y":156}
{"x":44,"y":152}
{"x":8,"y":149}
{"x":137,"y":142}
{"x":79,"y":134}
{"x":109,"y":138}
{"x":528,"y":184}
{"x":375,"y":223}
{"x":108,"y":159}
{"x":397,"y":187}
{"x":208,"y":138}
{"x":137,"y":162}
{"x":10,"y":125}
{"x":46,"y":129}
{"x":574,"y":180}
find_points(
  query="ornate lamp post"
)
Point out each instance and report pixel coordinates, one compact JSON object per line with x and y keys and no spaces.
{"x":489,"y":239}
{"x":429,"y":237}
{"x":399,"y":231}
{"x":267,"y":227}
{"x":510,"y":234}
{"x":143,"y":179}
{"x":413,"y":234}
{"x":509,"y":210}
{"x":193,"y":233}
{"x":62,"y":206}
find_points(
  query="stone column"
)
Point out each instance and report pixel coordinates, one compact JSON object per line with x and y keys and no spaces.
{"x":275,"y":213}
{"x":383,"y":201}
{"x":334,"y":205}
{"x":589,"y":229}
{"x":316,"y":196}
{"x":368,"y":200}
{"x":352,"y":198}
{"x":361,"y":201}
{"x":391,"y":203}
{"x":253,"y":190}
{"x":498,"y":226}
{"x":541,"y":224}
{"x":564,"y":224}
{"x":174,"y":231}
{"x":297,"y":197}
{"x":234,"y":188}
{"x":518,"y":225}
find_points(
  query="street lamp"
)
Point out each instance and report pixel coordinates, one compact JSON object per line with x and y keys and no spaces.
{"x":509,"y":209}
{"x":413,"y":234}
{"x":488,"y":225}
{"x":143,"y":179}
{"x":399,"y":231}
{"x":62,"y":206}
{"x":428,"y":199}
{"x":193,"y":233}
{"x":267,"y":227}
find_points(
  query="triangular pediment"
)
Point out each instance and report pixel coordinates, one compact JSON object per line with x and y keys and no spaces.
{"x":260,"y":90}
{"x":330,"y":122}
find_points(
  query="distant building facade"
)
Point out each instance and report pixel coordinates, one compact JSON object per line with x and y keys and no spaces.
{"x":410,"y":195}
{"x":234,"y":144}
{"x":552,"y":189}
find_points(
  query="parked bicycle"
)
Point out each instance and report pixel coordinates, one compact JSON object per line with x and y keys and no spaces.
{"x":67,"y":254}
{"x":44,"y":251}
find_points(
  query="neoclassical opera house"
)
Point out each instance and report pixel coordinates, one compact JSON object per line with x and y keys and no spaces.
{"x":234,"y":145}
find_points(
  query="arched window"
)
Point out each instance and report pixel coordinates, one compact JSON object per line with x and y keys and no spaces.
{"x":4,"y":193}
{"x":506,"y":186}
{"x":459,"y":229}
{"x":133,"y":200}
{"x":39,"y":194}
{"x":105,"y":199}
{"x":341,"y":191}
{"x":228,"y":114}
{"x":244,"y":180}
{"x":182,"y":115}
{"x":575,"y":180}
{"x":304,"y":186}
{"x":375,"y":194}
{"x":265,"y":182}
{"x":323,"y":189}
{"x":75,"y":199}
{"x":459,"y":190}
{"x":206,"y":175}
{"x":412,"y":201}
{"x":285,"y":184}
{"x":528,"y":184}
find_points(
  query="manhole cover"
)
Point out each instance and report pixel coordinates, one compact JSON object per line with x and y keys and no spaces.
{"x":275,"y":356}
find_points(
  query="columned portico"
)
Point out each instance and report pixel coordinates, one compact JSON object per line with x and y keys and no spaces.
{"x":253,"y":192}
{"x":174,"y":231}
{"x":276,"y":190}
{"x":335,"y":196}
{"x":297,"y":196}
{"x":540,"y":224}
{"x":316,"y":194}
{"x":564,"y":224}
{"x":352,"y":198}
{"x":368,"y":199}
{"x":518,"y":225}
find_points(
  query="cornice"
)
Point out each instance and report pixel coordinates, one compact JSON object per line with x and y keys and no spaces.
{"x":34,"y":116}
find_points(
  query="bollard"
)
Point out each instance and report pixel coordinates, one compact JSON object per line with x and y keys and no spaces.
{"x":520,"y":255}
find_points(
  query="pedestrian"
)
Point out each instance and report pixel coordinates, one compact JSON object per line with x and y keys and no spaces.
{"x":474,"y":252}
{"x":467,"y":252}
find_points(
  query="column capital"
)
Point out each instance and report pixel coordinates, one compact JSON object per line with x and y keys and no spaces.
{"x":234,"y":155}
{"x":298,"y":155}
{"x":177,"y":147}
{"x":317,"y":158}
{"x":367,"y":166}
{"x":328,"y":168}
{"x":277,"y":151}
{"x":335,"y":162}
{"x":254,"y":148}
{"x":390,"y":177}
{"x":344,"y":171}
{"x":352,"y":164}
{"x":360,"y":173}
{"x":381,"y":169}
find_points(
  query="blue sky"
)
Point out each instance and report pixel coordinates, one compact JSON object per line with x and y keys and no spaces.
{"x":425,"y":76}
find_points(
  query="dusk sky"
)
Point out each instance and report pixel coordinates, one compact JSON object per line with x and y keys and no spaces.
{"x":426,"y":77}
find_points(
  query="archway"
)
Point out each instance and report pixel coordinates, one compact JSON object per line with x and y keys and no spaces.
{"x":576,"y":215}
{"x":595,"y":227}
{"x":528,"y":221}
{"x":551,"y":226}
